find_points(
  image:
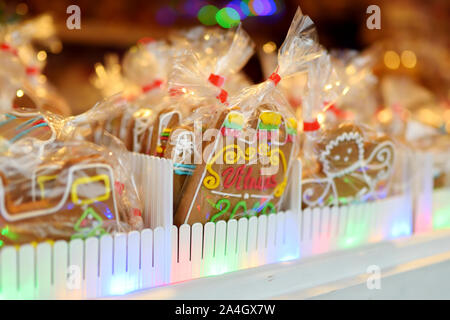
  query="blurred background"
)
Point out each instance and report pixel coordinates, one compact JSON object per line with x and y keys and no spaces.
{"x":413,"y":38}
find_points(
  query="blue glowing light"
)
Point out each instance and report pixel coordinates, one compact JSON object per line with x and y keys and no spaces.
{"x":236,"y":5}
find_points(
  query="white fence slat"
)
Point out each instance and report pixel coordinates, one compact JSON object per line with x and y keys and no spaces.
{"x":208,"y":248}
{"x":75,"y":273}
{"x":196,"y":249}
{"x":219,"y":265}
{"x":91,"y":267}
{"x":316,"y":216}
{"x":8,"y":273}
{"x":119,"y":284}
{"x":147,"y":258}
{"x":60,"y":264}
{"x":307,"y":224}
{"x":133,"y":257}
{"x":241,"y":247}
{"x":280,"y":236}
{"x":343,"y":214}
{"x":271,"y":238}
{"x":252,"y":254}
{"x":174,"y":274}
{"x":231,"y":247}
{"x":26,"y":272}
{"x":262,"y":239}
{"x":44,"y":270}
{"x":281,"y":229}
{"x":325,"y":223}
{"x":334,"y":225}
{"x":159,"y":255}
{"x":184,"y":253}
{"x":106,"y":264}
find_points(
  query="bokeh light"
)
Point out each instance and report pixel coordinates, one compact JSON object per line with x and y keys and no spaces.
{"x":269,"y":47}
{"x":227,"y":17}
{"x":207,"y":15}
{"x":409,"y":59}
{"x":236,"y":5}
{"x":262,"y":7}
{"x":192,"y":7}
{"x":391,"y":59}
{"x":245,"y":9}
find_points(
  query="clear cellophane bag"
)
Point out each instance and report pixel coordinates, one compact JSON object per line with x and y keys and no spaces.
{"x":56,"y":185}
{"x":345,"y":160}
{"x":21,"y":78}
{"x":241,"y":166}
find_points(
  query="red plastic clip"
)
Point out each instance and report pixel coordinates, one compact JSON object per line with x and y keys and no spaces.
{"x":311,"y":126}
{"x":137,"y":212}
{"x":32,"y":71}
{"x":145,"y":40}
{"x":151,"y":86}
{"x":7,"y":47}
{"x":216,"y":80}
{"x":222,"y":96}
{"x":275,"y":77}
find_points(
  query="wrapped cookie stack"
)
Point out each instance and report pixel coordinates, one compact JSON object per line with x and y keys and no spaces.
{"x":244,"y":169}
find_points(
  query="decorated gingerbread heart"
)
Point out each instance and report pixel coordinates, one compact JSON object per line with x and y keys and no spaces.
{"x":244,"y":172}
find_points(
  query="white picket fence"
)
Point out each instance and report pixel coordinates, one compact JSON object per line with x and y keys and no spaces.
{"x":114,"y":265}
{"x":432,"y":206}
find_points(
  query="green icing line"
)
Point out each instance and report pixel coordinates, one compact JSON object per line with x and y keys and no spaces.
{"x":292,"y":131}
{"x":231,"y":125}
{"x":267,"y":126}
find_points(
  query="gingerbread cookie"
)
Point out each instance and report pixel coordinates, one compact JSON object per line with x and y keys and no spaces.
{"x":59,"y":196}
{"x":245,"y":171}
{"x":352,"y":166}
{"x":20,"y":126}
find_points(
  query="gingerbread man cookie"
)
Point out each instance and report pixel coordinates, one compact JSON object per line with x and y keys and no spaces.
{"x":352,"y":166}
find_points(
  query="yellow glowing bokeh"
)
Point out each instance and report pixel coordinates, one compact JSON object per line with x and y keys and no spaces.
{"x":384,"y":116}
{"x":320,"y":117}
{"x":409,"y":59}
{"x":42,"y":55}
{"x":447,"y":115}
{"x":391,"y":59}
{"x":42,"y":78}
{"x":269,"y":47}
{"x":19,"y":93}
{"x":350,"y":70}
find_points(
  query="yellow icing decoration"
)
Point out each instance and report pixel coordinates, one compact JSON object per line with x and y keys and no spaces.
{"x":237,"y":118}
{"x":233,"y":153}
{"x":41,"y":181}
{"x":270,"y":118}
{"x":292,"y":123}
{"x":85,"y":180}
